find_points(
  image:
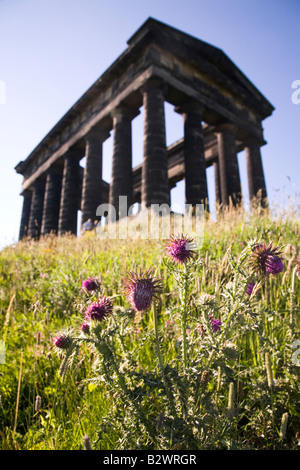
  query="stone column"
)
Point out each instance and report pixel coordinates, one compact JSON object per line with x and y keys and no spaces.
{"x":36,"y":209}
{"x":92,"y":195}
{"x":217,"y":183}
{"x":228,"y":165}
{"x":27,"y":195}
{"x":52,"y":200}
{"x":256,"y":178}
{"x":155,"y":185}
{"x":196,"y":191}
{"x":121,"y":179}
{"x":70,"y":193}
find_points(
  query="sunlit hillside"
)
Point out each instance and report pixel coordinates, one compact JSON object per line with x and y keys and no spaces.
{"x":208,"y":365}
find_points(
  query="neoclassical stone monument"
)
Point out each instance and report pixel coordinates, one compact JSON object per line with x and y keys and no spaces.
{"x":222,"y":113}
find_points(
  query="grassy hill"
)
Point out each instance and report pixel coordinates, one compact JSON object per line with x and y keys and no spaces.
{"x":163,"y":379}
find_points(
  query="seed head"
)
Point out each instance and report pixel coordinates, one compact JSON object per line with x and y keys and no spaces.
{"x":230,"y":408}
{"x":205,"y":377}
{"x":141,"y":288}
{"x":266,"y":260}
{"x":230,"y":350}
{"x":180,"y":248}
{"x":207,"y":301}
{"x":38,"y":403}
{"x":99,"y":310}
{"x":86,"y":442}
{"x":283,"y":427}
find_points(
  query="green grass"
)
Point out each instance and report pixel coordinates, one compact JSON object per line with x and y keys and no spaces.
{"x":40,"y":294}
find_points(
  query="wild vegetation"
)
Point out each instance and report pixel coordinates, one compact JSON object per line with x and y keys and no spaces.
{"x":149,"y":344}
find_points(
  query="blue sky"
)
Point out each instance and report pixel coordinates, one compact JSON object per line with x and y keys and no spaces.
{"x":52,"y":51}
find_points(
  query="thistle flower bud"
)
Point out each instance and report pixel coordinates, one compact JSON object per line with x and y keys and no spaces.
{"x":240,"y":318}
{"x":207,"y":300}
{"x":85,"y":327}
{"x":230,"y":350}
{"x":62,"y":341}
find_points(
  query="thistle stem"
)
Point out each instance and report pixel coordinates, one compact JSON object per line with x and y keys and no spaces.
{"x":267,"y":292}
{"x":183,"y":317}
{"x":160,"y":361}
{"x":158,"y":352}
{"x":105,"y":349}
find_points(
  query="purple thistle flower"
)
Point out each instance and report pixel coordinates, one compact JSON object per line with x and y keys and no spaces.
{"x":90,"y":284}
{"x":99,"y":310}
{"x":141,"y":288}
{"x":266,"y":260}
{"x":62,"y":341}
{"x":180,"y":249}
{"x":274,"y":265}
{"x":215,"y":324}
{"x":250,"y":288}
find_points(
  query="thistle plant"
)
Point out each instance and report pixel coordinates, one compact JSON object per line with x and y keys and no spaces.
{"x":175,"y":401}
{"x":181,"y":250}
